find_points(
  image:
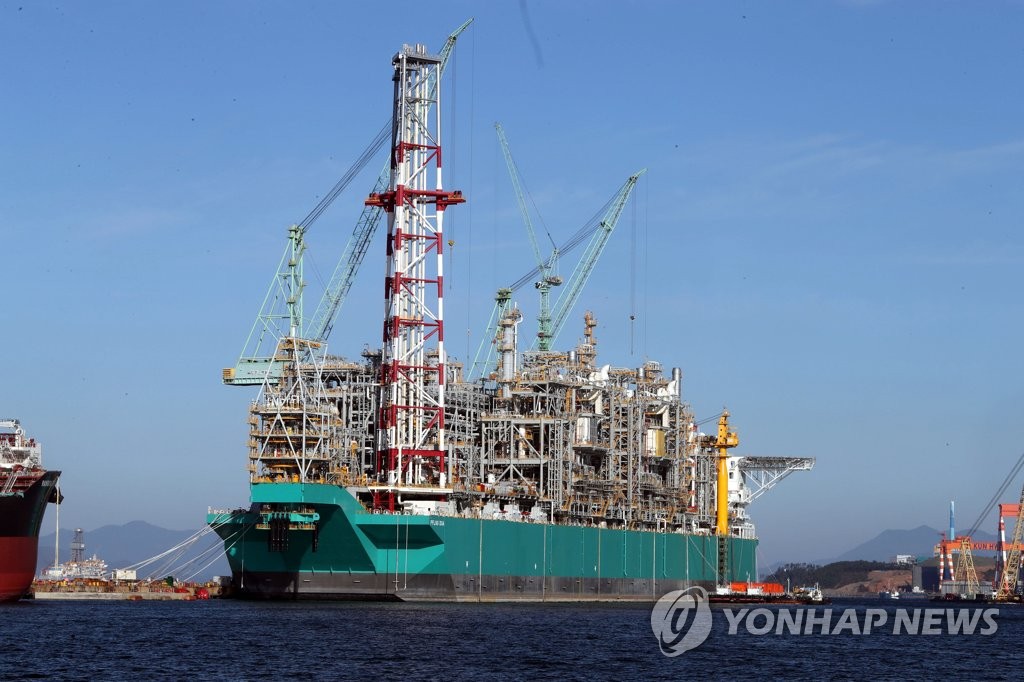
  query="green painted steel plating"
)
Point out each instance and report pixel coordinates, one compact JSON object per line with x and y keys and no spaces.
{"x":353,"y":541}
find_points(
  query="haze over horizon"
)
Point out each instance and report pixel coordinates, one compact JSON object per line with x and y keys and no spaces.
{"x":826,"y":240}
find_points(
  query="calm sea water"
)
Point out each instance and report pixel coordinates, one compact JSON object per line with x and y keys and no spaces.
{"x":233,"y":640}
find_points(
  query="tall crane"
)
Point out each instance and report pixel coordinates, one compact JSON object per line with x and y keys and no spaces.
{"x":965,"y":572}
{"x":546,"y":267}
{"x":725,"y":439}
{"x":1011,"y":569}
{"x":567,"y":299}
{"x":598,"y":229}
{"x":256,"y":362}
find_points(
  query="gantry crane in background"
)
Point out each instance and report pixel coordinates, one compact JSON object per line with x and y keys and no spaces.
{"x":956,"y":560}
{"x":1011,"y":568}
{"x":957,"y":577}
{"x":965,"y":572}
{"x":281,"y":314}
{"x":599,"y":228}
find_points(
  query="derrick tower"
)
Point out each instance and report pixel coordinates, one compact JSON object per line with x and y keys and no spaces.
{"x":410,"y":441}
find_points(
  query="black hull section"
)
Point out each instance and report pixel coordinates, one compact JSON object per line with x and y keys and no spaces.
{"x":21,"y":513}
{"x":456,"y":588}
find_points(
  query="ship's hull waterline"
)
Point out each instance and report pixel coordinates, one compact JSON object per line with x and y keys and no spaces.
{"x":21,"y":514}
{"x":346,"y":552}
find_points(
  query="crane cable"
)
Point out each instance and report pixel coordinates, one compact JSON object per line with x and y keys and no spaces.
{"x":360,"y":163}
{"x":449,"y":248}
{"x":645,"y":245}
{"x":999,"y":493}
{"x":575,"y":240}
{"x":702,"y":422}
{"x":472,"y":147}
{"x":375,"y":146}
{"x":632,"y":279}
{"x":539,"y":215}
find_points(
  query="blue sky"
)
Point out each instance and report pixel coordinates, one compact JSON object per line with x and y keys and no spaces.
{"x":827,"y":236}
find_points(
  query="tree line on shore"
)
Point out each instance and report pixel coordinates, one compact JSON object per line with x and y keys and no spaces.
{"x":829,"y":576}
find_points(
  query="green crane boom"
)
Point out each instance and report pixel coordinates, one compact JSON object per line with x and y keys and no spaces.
{"x":578,"y":280}
{"x":545,"y":267}
{"x":599,"y":228}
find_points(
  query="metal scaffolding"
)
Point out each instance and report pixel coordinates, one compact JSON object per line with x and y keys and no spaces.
{"x":559,"y":439}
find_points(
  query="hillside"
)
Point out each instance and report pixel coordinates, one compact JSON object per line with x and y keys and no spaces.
{"x":830,"y":576}
{"x":876,"y":581}
{"x":846,"y":578}
{"x":856,"y":578}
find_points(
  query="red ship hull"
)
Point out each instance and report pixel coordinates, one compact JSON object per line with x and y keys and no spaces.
{"x":21,"y":513}
{"x":17,"y":566}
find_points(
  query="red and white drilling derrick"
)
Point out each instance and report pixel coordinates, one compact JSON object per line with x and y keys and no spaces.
{"x":410,"y":431}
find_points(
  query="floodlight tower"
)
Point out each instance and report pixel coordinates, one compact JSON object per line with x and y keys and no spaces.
{"x":410,"y":426}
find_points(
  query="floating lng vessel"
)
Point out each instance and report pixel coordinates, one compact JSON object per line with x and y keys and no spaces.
{"x":25,"y":488}
{"x":395,"y":477}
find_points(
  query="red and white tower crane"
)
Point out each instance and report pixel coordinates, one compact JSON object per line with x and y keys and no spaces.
{"x":410,"y":426}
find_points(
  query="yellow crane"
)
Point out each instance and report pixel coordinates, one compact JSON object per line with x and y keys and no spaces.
{"x":726,"y":439}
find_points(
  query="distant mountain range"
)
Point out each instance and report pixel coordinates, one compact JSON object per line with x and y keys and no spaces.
{"x":136,"y":541}
{"x":918,"y":541}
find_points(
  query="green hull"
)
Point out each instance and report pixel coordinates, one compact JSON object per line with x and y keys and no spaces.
{"x":320,"y":543}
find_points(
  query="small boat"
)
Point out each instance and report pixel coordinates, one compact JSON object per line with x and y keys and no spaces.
{"x":891,"y":594}
{"x":810,"y":595}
